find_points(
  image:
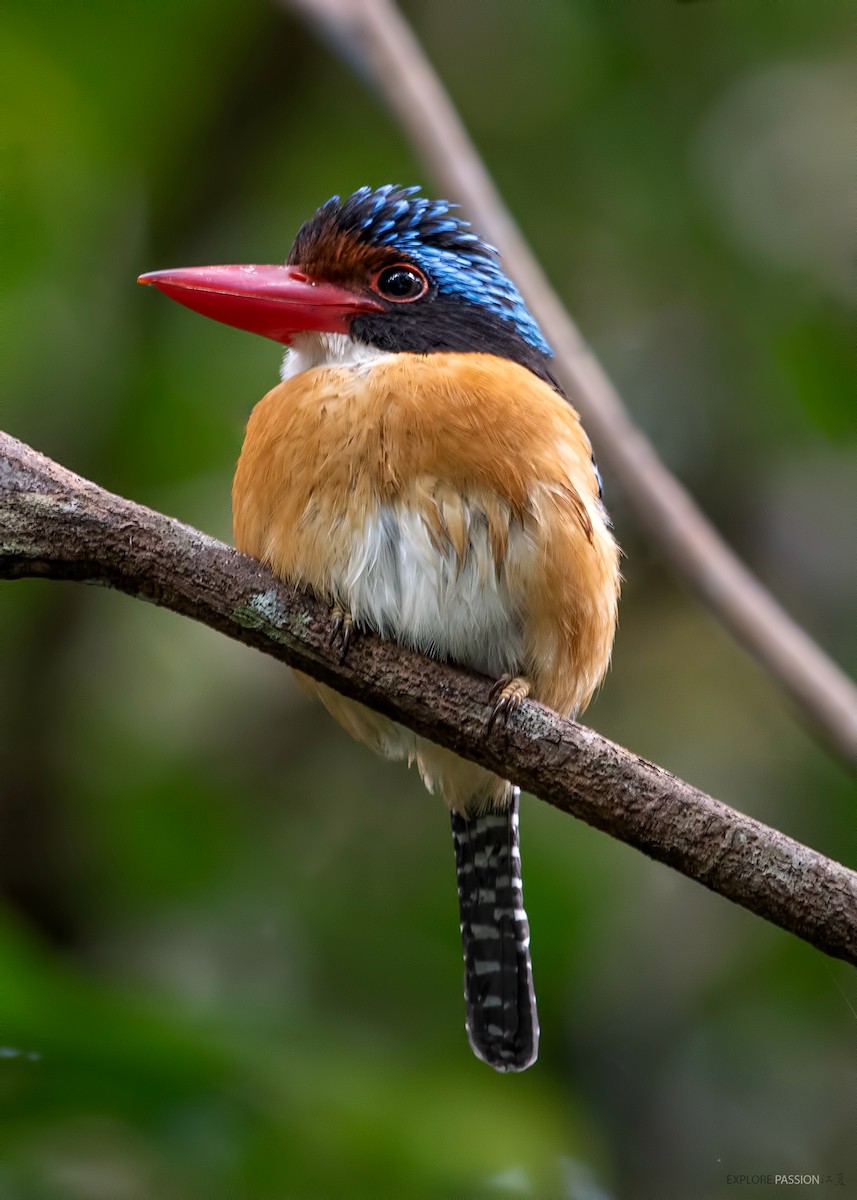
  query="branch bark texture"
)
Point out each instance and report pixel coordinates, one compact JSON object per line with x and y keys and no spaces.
{"x":56,"y":525}
{"x":373,"y":33}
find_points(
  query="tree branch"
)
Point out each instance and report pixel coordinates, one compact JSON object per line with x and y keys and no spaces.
{"x":374,"y":33}
{"x":55,"y":525}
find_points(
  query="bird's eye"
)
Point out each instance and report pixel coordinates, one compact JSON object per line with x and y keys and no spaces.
{"x":401,"y":283}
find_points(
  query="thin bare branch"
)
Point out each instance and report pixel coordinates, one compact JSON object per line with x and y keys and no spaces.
{"x":373,"y":32}
{"x":53,"y":524}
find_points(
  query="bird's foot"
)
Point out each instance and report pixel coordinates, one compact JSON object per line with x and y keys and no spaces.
{"x":341,"y":629}
{"x":508,"y":694}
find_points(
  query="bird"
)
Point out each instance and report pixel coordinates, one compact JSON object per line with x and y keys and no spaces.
{"x":419,"y":467}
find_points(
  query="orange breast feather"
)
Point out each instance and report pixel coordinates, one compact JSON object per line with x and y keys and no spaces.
{"x":469,"y":472}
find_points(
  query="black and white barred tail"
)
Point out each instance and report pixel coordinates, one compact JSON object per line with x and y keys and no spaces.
{"x":502,"y":1022}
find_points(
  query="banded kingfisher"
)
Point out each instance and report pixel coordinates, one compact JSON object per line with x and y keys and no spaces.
{"x":420,"y":468}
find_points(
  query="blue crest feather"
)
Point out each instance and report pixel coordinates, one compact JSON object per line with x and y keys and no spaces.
{"x":458,"y":261}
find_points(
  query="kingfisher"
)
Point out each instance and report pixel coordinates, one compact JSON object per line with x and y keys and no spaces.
{"x":419,"y":467}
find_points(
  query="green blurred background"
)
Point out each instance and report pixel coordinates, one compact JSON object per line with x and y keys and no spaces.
{"x":230,"y":959}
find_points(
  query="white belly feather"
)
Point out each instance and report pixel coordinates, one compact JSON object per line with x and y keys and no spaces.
{"x":398,"y":582}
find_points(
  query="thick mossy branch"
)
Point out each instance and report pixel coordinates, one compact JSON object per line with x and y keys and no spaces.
{"x":55,"y":525}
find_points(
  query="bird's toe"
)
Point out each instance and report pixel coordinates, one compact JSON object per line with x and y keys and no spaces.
{"x":507,"y":694}
{"x":341,"y":629}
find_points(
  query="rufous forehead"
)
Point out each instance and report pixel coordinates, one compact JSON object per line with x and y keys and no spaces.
{"x":328,"y":252}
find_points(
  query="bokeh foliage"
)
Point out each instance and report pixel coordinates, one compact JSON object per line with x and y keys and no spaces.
{"x":229,"y":952}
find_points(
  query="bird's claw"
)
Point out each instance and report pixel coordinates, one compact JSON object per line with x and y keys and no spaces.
{"x":508,"y":695}
{"x":341,"y":629}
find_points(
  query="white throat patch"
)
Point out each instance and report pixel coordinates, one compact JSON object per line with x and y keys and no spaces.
{"x":310,"y":350}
